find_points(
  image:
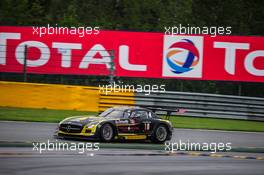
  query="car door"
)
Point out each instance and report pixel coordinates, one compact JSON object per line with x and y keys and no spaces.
{"x":142,"y":122}
{"x":123,"y":124}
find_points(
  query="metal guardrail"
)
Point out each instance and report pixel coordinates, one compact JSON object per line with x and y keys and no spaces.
{"x":75,"y":97}
{"x":197,"y":104}
{"x":206,"y":105}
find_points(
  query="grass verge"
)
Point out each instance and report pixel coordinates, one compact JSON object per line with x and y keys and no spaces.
{"x":47,"y":115}
{"x":37,"y":115}
{"x":217,"y":124}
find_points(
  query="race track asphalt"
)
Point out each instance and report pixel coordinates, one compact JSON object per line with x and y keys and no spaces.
{"x":22,"y":161}
{"x":25,"y":160}
{"x":36,"y":131}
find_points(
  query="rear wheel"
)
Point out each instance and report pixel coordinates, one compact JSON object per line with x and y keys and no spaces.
{"x":160,"y":134}
{"x":107,"y":132}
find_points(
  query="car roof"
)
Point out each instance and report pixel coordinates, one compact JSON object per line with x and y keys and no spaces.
{"x":129,"y":108}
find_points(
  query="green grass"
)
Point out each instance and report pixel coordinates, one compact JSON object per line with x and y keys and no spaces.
{"x":218,"y":124}
{"x":37,"y":115}
{"x":47,"y":115}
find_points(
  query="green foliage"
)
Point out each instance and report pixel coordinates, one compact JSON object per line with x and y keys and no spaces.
{"x":245,"y":17}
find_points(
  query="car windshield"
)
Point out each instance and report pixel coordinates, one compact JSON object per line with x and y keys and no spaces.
{"x":112,"y":113}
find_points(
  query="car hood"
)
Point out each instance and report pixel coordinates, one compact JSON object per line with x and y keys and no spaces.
{"x":82,"y":120}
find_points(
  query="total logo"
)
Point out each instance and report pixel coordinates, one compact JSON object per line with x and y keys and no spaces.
{"x":182,"y":56}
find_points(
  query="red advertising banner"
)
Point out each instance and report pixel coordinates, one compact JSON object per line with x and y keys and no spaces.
{"x":136,"y":54}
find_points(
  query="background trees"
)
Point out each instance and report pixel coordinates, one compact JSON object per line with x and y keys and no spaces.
{"x":245,"y":17}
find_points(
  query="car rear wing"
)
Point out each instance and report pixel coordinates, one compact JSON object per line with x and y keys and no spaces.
{"x":168,"y":112}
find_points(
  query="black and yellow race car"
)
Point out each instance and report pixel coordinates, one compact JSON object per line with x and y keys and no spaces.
{"x":120,"y":122}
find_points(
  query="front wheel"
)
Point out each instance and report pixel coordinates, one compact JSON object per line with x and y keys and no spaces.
{"x":160,"y":134}
{"x":107,"y":132}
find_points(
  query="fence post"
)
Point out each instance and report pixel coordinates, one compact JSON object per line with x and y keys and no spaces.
{"x":181,"y":85}
{"x":112,"y":68}
{"x":239,"y":89}
{"x":25,"y":64}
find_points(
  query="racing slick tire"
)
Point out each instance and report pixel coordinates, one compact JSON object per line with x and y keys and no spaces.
{"x":160,"y":134}
{"x":107,"y":132}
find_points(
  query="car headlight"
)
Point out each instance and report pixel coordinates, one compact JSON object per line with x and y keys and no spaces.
{"x":91,"y":125}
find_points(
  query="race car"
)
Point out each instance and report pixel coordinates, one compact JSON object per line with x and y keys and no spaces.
{"x":120,"y":122}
